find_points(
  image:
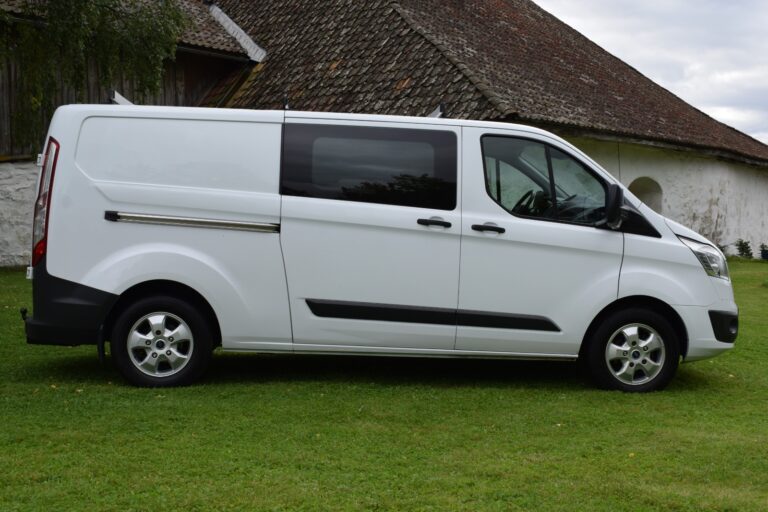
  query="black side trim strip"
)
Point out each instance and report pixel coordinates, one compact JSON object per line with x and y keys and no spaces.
{"x":422,"y":315}
{"x":384,"y":312}
{"x":505,"y":321}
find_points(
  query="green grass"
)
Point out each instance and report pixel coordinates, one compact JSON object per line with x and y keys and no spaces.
{"x":336,"y":433}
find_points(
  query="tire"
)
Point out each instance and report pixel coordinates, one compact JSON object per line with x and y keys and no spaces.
{"x":161,"y":341}
{"x":633,"y":350}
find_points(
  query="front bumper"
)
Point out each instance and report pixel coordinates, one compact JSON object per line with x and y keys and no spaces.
{"x":707,"y":337}
{"x":725,"y":325}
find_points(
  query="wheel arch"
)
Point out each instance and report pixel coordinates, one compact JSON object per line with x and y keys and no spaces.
{"x":162,"y":287}
{"x":645,"y":302}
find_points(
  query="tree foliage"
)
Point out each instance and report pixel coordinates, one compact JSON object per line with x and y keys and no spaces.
{"x":60,"y":42}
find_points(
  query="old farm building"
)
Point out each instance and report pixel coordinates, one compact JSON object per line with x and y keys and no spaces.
{"x":206,"y":52}
{"x":502,"y":60}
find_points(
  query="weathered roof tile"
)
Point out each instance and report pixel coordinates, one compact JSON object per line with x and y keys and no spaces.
{"x":205,"y":31}
{"x":539,"y":69}
{"x":376,"y":49}
{"x":494,"y":59}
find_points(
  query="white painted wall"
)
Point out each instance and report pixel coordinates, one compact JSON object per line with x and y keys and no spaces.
{"x":17,"y":194}
{"x":723,"y":201}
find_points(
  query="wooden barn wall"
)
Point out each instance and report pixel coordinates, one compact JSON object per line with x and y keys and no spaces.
{"x":185,"y":82}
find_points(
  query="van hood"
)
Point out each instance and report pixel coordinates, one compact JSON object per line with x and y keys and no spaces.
{"x":681,"y":230}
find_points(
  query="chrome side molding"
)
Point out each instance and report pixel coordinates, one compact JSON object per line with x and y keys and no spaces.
{"x":191,"y":222}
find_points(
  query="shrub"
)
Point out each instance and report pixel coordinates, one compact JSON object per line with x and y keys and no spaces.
{"x":744,"y":248}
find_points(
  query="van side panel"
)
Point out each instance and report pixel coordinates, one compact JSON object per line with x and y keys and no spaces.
{"x":209,"y":166}
{"x":666,"y":269}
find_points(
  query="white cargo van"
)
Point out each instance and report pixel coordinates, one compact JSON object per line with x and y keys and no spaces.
{"x":171,"y":231}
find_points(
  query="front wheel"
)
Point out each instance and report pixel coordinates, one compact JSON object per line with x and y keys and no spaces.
{"x":634,"y":350}
{"x":161,"y":341}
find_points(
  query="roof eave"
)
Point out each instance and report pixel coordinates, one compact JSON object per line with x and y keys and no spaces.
{"x":571,"y":130}
{"x":211,"y":52}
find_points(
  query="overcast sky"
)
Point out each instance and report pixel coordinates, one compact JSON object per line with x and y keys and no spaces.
{"x":711,"y":53}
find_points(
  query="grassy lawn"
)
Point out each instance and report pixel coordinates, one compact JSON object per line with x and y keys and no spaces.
{"x":336,"y":433}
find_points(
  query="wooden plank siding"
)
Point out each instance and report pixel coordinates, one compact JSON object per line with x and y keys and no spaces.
{"x":5,"y":109}
{"x":185,"y":82}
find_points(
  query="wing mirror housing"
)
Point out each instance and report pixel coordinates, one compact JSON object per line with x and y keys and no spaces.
{"x":614,"y":201}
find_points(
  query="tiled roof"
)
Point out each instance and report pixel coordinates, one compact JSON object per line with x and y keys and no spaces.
{"x":203,"y":32}
{"x":206,"y":32}
{"x":487,"y":59}
{"x":348,"y":56}
{"x":540,"y":69}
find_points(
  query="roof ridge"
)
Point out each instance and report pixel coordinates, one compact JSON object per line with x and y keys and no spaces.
{"x":500,"y":105}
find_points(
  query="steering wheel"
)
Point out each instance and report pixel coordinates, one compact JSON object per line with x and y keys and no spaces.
{"x":524,"y":202}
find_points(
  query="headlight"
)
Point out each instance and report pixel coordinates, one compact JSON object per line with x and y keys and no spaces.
{"x":710,"y":258}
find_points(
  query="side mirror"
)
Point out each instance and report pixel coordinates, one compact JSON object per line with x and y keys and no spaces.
{"x":614,"y":200}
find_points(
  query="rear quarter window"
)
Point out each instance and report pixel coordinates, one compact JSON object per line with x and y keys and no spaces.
{"x":181,"y":152}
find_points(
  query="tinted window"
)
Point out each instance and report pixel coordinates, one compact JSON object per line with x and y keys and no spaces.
{"x":376,"y":165}
{"x":531,"y":179}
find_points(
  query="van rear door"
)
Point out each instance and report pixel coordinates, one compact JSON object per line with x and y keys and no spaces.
{"x":370,"y":230}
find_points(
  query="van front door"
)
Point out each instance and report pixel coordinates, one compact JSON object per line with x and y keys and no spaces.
{"x":536,"y":264}
{"x":370,"y":231}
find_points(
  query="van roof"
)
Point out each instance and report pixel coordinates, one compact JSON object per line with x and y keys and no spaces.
{"x":295,"y":114}
{"x":237,"y":114}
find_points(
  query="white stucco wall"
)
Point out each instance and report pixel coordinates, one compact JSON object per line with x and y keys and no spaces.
{"x":723,"y":201}
{"x":17,"y":191}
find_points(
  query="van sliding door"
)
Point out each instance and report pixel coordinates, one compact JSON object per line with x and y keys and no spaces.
{"x":370,"y":231}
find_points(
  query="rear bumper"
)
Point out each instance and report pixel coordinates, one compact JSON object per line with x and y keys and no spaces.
{"x":65,"y":312}
{"x":43,"y":333}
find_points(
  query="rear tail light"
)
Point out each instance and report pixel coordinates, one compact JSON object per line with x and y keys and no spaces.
{"x":43,"y":202}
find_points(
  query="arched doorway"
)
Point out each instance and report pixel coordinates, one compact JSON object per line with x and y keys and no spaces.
{"x":648,"y":191}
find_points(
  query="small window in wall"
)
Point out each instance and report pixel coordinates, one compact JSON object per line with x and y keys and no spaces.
{"x":398,"y":166}
{"x":648,"y":191}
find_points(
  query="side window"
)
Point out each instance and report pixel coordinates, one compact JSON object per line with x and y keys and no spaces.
{"x":532,"y":179}
{"x":516,"y":175}
{"x":397,"y":166}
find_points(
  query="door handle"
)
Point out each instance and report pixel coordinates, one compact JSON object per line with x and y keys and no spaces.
{"x":488,"y":227}
{"x":433,"y":222}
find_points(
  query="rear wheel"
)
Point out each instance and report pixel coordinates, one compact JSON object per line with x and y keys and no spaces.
{"x":161,"y":341}
{"x":633,"y":350}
